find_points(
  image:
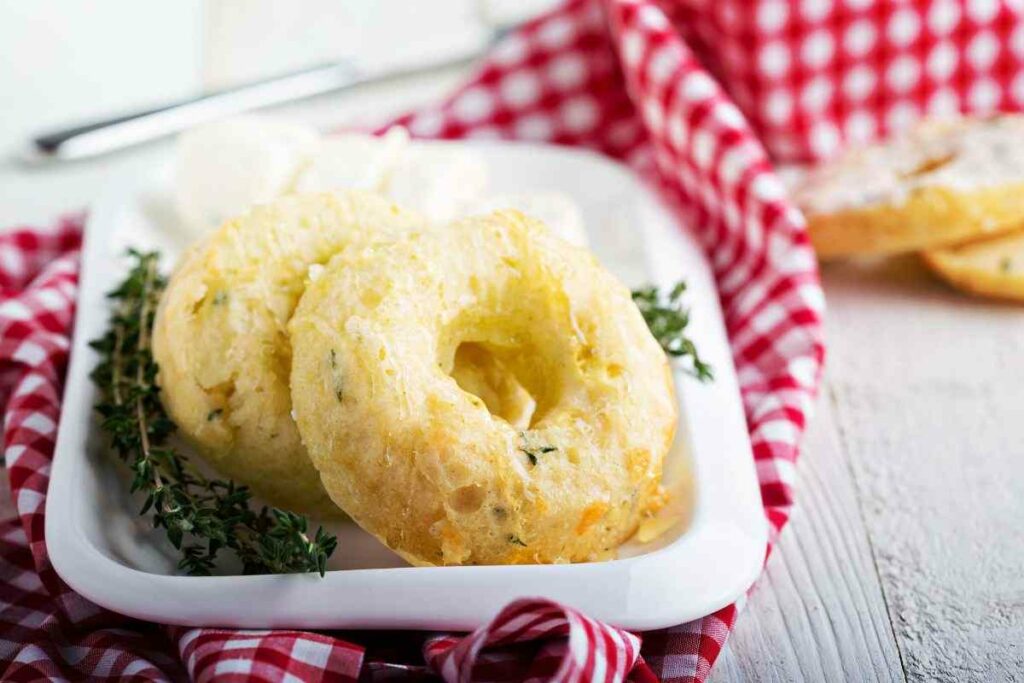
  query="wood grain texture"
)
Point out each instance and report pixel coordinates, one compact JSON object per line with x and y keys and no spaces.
{"x":818,"y":613}
{"x":926,"y":385}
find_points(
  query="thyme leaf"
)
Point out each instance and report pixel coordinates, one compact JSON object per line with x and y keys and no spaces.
{"x":532,"y":453}
{"x":667,"y":319}
{"x":200,"y":516}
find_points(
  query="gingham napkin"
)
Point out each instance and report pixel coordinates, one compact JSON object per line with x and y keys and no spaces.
{"x":48,"y":632}
{"x":672,"y":88}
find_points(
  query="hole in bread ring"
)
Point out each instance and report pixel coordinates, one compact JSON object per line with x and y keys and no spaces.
{"x":479,"y":372}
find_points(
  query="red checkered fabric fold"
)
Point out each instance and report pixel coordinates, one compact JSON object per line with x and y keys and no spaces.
{"x":629,"y":78}
{"x":572,"y":647}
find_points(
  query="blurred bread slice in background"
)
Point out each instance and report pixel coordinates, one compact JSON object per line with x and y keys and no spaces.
{"x":943,"y":183}
{"x":990,"y":267}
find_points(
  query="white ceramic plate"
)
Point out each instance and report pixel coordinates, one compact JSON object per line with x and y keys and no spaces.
{"x":102,"y":548}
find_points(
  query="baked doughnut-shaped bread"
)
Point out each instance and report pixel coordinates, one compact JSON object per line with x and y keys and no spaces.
{"x":940,"y":184}
{"x":220,"y":337}
{"x":990,"y":267}
{"x":423,"y":464}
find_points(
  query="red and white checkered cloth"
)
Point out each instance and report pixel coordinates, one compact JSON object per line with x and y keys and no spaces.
{"x":689,"y":93}
{"x":814,"y":75}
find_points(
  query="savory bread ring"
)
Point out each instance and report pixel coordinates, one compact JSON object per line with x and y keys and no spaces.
{"x":421,"y":463}
{"x":942,"y":183}
{"x":220,"y":337}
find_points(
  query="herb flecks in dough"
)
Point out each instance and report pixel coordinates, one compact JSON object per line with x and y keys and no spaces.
{"x":339,"y":385}
{"x":534,"y":453}
{"x":668,"y":320}
{"x":201,"y":516}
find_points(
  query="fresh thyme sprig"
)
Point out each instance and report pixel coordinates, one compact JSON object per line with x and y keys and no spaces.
{"x":201,"y":516}
{"x":667,"y":320}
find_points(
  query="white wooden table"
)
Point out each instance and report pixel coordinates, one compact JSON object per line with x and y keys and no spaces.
{"x":904,"y":559}
{"x":905,"y":556}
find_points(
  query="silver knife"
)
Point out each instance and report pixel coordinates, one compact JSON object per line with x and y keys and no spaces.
{"x":108,"y":135}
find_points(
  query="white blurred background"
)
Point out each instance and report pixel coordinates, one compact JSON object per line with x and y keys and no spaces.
{"x":65,"y":62}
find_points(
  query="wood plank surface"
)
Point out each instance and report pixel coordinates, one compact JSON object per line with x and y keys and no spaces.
{"x":929,"y":398}
{"x":818,"y":613}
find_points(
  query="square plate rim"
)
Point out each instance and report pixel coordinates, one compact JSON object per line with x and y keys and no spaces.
{"x":718,"y":556}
